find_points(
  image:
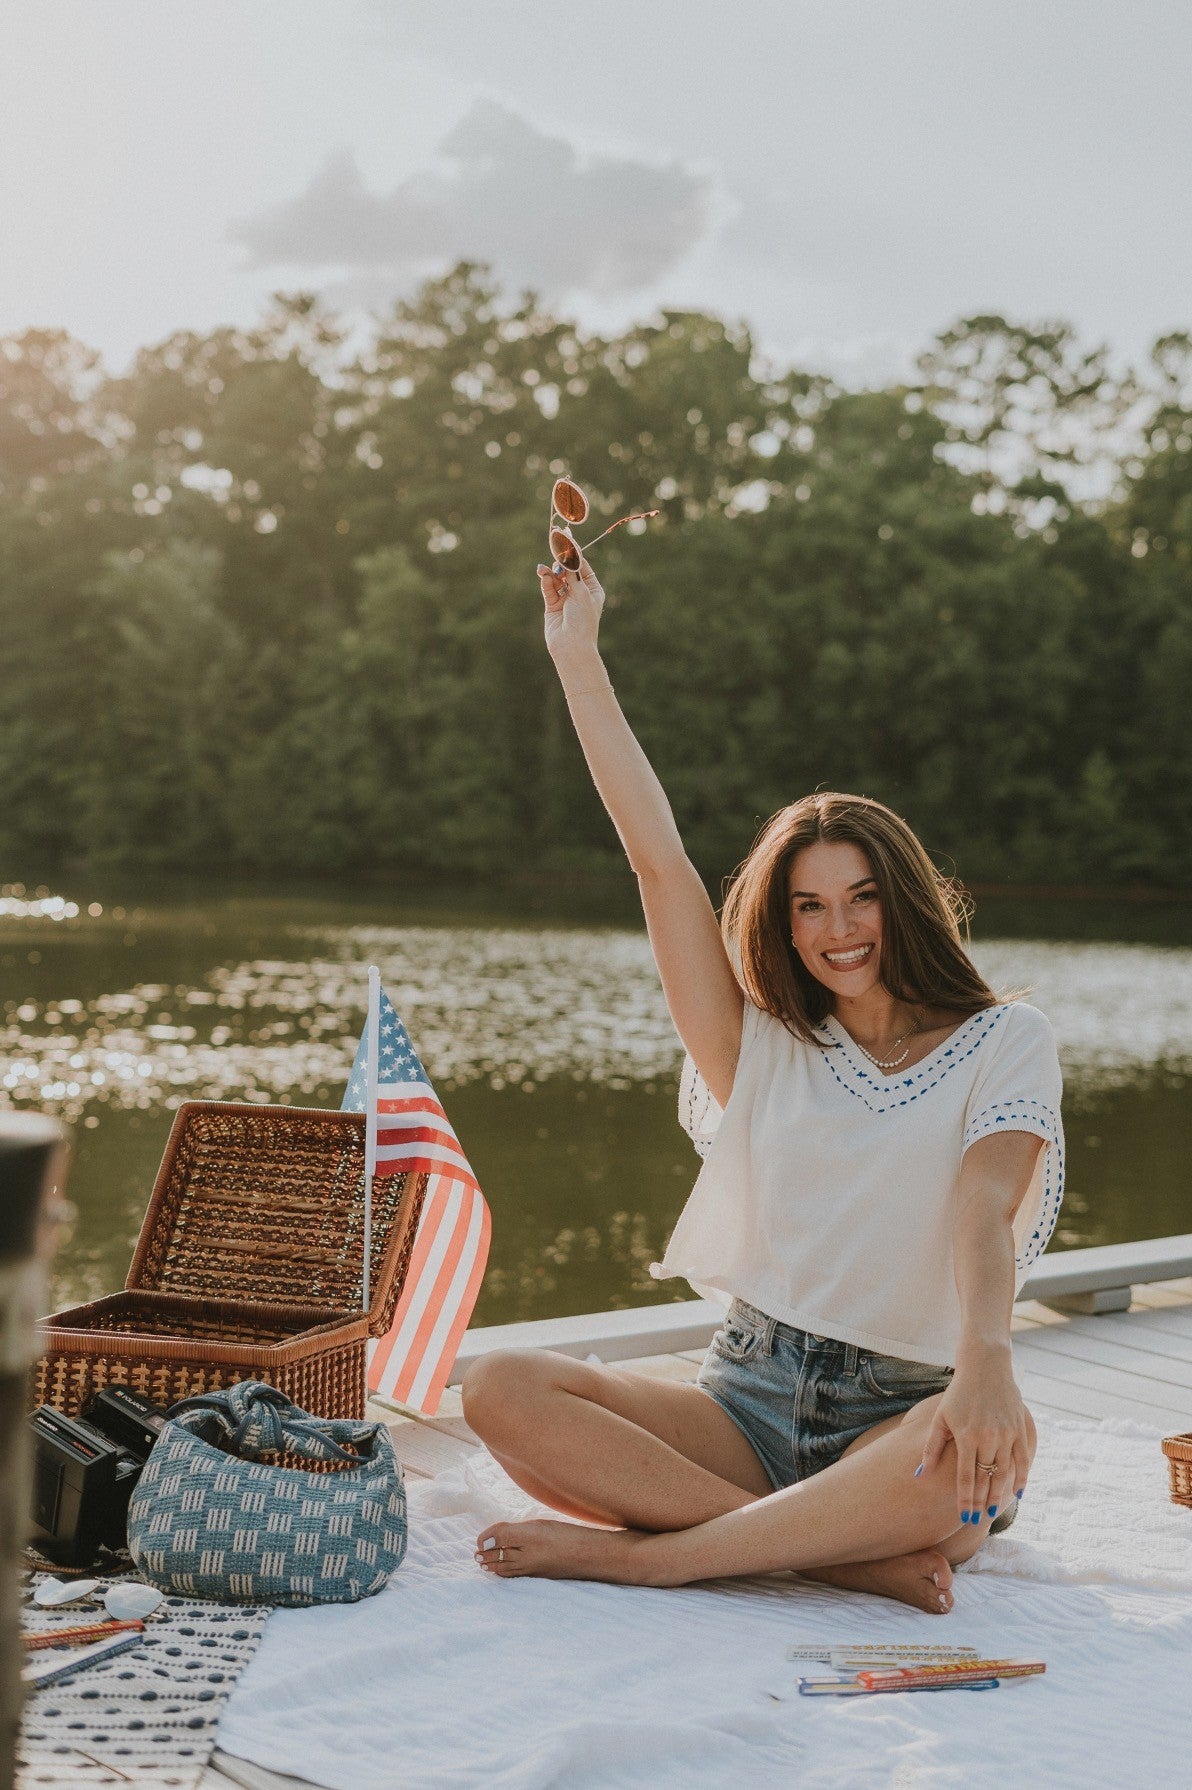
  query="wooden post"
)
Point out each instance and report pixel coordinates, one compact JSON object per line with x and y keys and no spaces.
{"x":32,"y":1167}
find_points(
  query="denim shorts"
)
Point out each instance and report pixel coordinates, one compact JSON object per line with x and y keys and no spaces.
{"x":799,"y":1399}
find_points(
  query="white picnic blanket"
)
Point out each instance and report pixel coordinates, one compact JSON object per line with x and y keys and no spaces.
{"x":451,"y":1679}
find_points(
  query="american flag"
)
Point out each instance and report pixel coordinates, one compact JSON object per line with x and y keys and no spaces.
{"x":410,"y":1133}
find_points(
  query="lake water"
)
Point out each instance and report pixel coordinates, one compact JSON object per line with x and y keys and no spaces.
{"x":546,"y":1037}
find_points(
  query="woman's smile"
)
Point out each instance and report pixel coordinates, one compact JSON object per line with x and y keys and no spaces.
{"x":850,"y":958}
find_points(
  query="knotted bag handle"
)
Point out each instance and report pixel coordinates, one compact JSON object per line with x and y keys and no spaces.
{"x":255,"y":1419}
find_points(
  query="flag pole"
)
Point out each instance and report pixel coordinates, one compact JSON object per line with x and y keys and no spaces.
{"x":370,"y":1116}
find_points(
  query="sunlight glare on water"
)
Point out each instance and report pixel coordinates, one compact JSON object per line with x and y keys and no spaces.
{"x":507,"y":1005}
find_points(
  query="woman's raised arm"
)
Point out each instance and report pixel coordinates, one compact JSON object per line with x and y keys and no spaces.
{"x":703,"y":995}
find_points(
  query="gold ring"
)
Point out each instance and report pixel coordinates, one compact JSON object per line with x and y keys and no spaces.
{"x":990,"y":1468}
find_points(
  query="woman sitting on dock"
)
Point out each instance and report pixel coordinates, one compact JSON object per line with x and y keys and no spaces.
{"x":885,"y":1161}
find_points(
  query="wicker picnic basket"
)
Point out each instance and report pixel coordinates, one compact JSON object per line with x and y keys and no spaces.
{"x":249,"y":1266}
{"x":1178,"y":1450}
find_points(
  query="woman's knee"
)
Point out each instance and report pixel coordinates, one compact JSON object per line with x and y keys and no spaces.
{"x":499,"y":1387}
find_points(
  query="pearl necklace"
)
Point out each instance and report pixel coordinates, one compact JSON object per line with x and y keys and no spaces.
{"x":891,"y":1062}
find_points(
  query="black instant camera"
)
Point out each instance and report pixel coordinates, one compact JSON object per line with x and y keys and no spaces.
{"x":84,"y":1471}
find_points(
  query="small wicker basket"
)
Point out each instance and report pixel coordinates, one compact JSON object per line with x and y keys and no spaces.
{"x":1178,"y":1450}
{"x":249,"y":1266}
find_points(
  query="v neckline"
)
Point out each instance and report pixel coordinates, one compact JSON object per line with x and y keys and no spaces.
{"x":870,"y":1071}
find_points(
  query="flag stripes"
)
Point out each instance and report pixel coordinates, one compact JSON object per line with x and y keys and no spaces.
{"x":421,"y":1159}
{"x":411,"y":1363}
{"x":411,"y":1134}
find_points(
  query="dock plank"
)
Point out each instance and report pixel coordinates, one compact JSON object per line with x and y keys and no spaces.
{"x":1080,"y":1371}
{"x":1162,"y":1293}
{"x":1147,"y":1365}
{"x":1030,"y":1313}
{"x":1123,"y":1329}
{"x":665,"y":1367}
{"x":1066,"y":1398}
{"x":1165,"y":1321}
{"x":427,"y":1451}
{"x":451,"y":1405}
{"x":459,"y":1427}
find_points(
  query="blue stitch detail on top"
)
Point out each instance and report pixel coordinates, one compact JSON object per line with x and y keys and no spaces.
{"x":1041,"y":1120}
{"x":987,"y":1018}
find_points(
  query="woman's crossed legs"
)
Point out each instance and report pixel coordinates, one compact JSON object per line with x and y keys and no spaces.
{"x":682,"y":1496}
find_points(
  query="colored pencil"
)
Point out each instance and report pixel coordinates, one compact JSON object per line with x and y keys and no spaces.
{"x":39,"y":1672}
{"x":922,"y":1677}
{"x":75,"y":1637}
{"x":852,"y":1687}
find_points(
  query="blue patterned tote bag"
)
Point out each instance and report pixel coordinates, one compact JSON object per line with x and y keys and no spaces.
{"x":219,"y":1522}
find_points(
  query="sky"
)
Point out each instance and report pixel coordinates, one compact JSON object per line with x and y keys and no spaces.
{"x":847,"y":177}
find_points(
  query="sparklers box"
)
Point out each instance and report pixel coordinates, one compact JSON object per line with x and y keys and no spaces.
{"x":249,"y":1266}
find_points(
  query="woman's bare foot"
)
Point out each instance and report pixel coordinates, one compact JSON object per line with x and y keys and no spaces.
{"x":923,"y":1579}
{"x":546,"y":1550}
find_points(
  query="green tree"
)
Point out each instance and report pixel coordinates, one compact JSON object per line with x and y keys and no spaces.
{"x":267,"y":603}
{"x":151,"y":786}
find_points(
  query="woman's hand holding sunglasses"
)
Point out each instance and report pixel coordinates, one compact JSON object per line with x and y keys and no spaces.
{"x":571,"y":590}
{"x":574,"y":601}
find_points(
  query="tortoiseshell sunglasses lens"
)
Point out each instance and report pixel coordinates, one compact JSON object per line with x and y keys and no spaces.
{"x":568,"y":501}
{"x":565,"y":549}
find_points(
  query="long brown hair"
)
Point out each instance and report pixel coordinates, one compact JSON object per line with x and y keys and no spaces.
{"x":924,"y":914}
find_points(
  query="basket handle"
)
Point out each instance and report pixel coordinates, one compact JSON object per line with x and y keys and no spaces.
{"x":256,"y":1419}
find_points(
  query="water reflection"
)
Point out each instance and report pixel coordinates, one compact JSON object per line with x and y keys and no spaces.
{"x":509,"y":1007}
{"x":505,"y":1006}
{"x":1119,"y":1011}
{"x":554,"y":1045}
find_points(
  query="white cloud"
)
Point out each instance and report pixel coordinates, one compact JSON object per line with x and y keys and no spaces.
{"x":502,"y":191}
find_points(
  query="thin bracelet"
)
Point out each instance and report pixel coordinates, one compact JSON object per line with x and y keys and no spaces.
{"x":593,"y":690}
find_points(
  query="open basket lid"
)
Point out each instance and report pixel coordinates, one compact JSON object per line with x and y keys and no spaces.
{"x":267,"y":1203}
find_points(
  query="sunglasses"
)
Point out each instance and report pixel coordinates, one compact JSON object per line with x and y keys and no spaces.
{"x":568,"y":503}
{"x":126,"y":1601}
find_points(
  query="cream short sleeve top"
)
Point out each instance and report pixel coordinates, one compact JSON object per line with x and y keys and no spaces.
{"x":828,"y":1192}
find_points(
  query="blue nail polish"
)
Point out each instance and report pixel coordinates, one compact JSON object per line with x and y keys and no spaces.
{"x":919,"y":1469}
{"x":993,"y":1510}
{"x":1019,"y":1494}
{"x":556,"y":567}
{"x":964,"y":1516}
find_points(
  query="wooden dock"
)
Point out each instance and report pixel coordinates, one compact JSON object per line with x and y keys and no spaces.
{"x":1134,"y":1363}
